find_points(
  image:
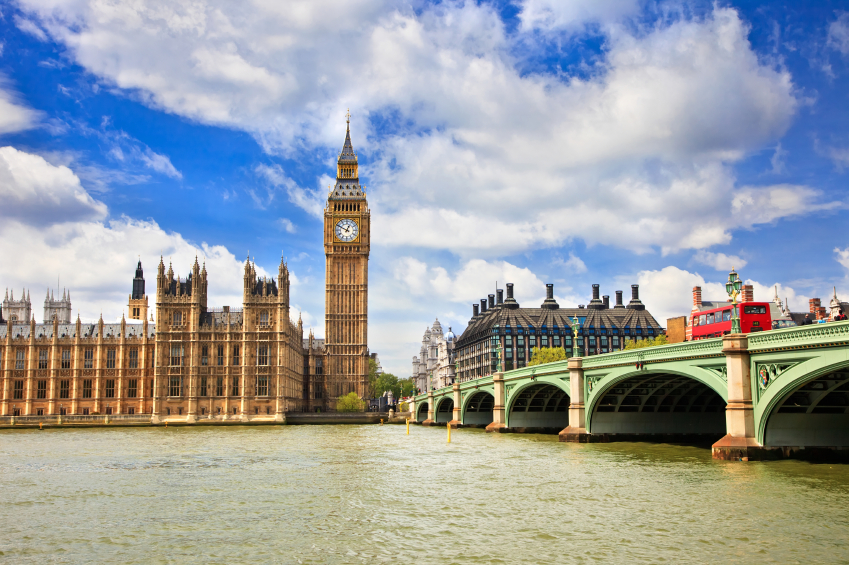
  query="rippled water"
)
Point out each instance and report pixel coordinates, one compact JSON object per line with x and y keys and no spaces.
{"x":358,"y":494}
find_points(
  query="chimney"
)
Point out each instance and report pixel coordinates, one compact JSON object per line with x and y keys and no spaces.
{"x":474,"y":310}
{"x":483,"y":305}
{"x":619,"y":299}
{"x":635,"y":303}
{"x":817,"y":309}
{"x":549,"y":302}
{"x":697,"y":298}
{"x":596,"y":302}
{"x":748,"y":293}
{"x":499,"y":295}
{"x":492,"y":301}
{"x":606,"y":301}
{"x":510,"y":302}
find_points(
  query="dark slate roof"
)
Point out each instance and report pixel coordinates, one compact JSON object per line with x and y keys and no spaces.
{"x":271,"y":283}
{"x":537,"y":318}
{"x":347,"y":154}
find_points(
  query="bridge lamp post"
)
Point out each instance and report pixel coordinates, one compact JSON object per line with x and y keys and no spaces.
{"x":575,"y":324}
{"x":733,"y":287}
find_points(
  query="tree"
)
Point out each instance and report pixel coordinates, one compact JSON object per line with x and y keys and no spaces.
{"x":659,"y":340}
{"x":407,"y":387}
{"x":540,"y":355}
{"x":349,"y":403}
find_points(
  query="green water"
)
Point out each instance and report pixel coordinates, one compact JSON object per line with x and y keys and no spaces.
{"x":371,"y":494}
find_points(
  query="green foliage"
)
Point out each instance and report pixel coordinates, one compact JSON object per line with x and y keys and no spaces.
{"x":540,"y":355}
{"x":380,"y":383}
{"x":407,"y":387}
{"x":403,"y":407}
{"x":349,"y":403}
{"x":659,"y":340}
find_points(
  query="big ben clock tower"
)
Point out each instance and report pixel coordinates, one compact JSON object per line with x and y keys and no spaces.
{"x":346,"y":247}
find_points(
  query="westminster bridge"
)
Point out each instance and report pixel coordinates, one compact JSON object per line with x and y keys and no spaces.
{"x":780,"y":393}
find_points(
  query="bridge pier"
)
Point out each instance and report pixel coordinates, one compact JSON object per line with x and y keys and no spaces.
{"x":577,"y":430}
{"x":431,"y":414}
{"x":499,"y":420}
{"x":456,"y":421}
{"x":740,"y":441}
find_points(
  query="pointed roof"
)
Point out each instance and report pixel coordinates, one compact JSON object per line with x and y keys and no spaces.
{"x":347,"y":155}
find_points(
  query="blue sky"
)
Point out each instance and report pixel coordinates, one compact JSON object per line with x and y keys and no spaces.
{"x":533,"y":141}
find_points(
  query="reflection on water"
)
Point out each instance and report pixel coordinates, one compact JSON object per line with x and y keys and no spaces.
{"x":358,"y":494}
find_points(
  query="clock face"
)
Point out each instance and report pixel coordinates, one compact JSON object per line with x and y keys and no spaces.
{"x":347,"y":230}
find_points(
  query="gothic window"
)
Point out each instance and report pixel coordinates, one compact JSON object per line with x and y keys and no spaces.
{"x":110,"y":388}
{"x":175,"y":386}
{"x":132,"y":388}
{"x":203,"y":388}
{"x":134,"y":358}
{"x":235,"y":386}
{"x":262,"y":355}
{"x":263,"y":318}
{"x":86,"y":388}
{"x":66,"y":358}
{"x":20,"y":357}
{"x":19,"y":390}
{"x":204,"y":356}
{"x":110,"y":358}
{"x":41,"y":391}
{"x":236,"y":357}
{"x":42,"y":358}
{"x":262,"y":385}
{"x":88,"y":358}
{"x":177,"y":318}
{"x":176,"y":357}
{"x":219,"y":386}
{"x":65,"y":388}
{"x":220,"y":358}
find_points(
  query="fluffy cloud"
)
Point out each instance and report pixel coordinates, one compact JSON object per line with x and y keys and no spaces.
{"x":490,"y":159}
{"x":38,"y":193}
{"x":719,"y":261}
{"x":667,"y":292}
{"x":842,"y":256}
{"x":14,"y":116}
{"x":838,"y":34}
{"x":49,"y":218}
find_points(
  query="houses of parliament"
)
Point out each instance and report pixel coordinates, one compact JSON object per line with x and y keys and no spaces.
{"x":197,"y":362}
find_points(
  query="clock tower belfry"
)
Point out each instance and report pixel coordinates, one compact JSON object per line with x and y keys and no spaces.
{"x":346,"y":248}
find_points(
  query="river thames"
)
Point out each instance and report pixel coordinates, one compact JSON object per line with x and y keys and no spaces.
{"x":364,"y":494}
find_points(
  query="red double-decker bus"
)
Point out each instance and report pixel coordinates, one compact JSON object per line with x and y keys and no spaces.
{"x":754,"y":317}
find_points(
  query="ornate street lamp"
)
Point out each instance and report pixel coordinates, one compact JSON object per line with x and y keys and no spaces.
{"x":575,"y":325}
{"x":498,"y":357}
{"x":733,"y":287}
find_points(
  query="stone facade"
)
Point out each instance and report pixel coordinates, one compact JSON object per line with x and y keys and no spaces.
{"x":434,"y":366}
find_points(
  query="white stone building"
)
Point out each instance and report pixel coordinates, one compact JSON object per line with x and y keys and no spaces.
{"x":434,"y":366}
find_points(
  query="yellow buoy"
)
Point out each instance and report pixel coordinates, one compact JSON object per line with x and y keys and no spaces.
{"x":381,"y":421}
{"x":39,"y":425}
{"x":449,"y":432}
{"x":408,"y":426}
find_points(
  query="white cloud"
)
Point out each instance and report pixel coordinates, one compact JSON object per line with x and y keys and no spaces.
{"x":719,"y":261}
{"x":287,"y":225}
{"x":777,"y":160}
{"x":838,"y":34}
{"x":38,"y":193}
{"x":842,"y":256}
{"x":14,"y":116}
{"x":644,"y":142}
{"x":51,"y":220}
{"x":573,"y":264}
{"x":28,"y":26}
{"x":548,"y":15}
{"x":311,"y":201}
{"x":159,"y":163}
{"x":668,"y":292}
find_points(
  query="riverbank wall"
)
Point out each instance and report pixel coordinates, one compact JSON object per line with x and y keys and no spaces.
{"x":146,"y":420}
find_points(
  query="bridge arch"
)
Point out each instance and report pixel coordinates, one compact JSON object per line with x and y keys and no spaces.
{"x":667,"y":403}
{"x":444,"y":412}
{"x":421,"y":411}
{"x":806,"y":405}
{"x":477,"y":408}
{"x":538,"y":406}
